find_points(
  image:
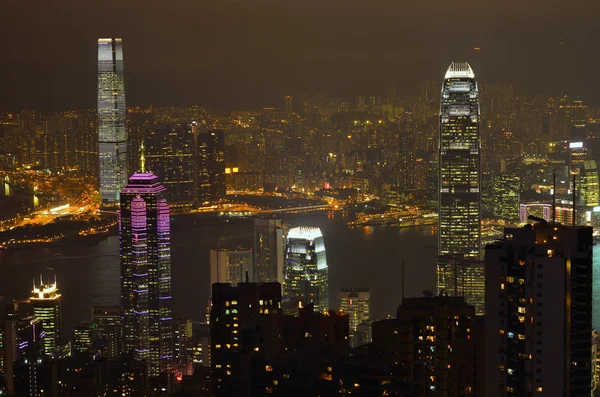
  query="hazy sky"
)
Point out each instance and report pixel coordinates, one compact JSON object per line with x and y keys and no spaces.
{"x":250,"y":53}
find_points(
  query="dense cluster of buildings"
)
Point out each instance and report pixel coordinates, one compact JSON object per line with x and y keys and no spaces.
{"x":510,"y":316}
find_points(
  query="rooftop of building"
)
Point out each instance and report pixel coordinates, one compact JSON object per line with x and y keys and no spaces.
{"x":307,"y":233}
{"x":44,"y":291}
{"x":459,"y":70}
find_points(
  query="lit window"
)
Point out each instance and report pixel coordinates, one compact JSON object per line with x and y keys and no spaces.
{"x":269,"y":368}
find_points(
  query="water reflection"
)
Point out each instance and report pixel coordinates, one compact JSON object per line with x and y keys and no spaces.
{"x":89,"y":275}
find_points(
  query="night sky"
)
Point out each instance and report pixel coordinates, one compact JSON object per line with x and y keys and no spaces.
{"x":245,"y":54}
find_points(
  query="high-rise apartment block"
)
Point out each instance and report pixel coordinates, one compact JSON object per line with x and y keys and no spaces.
{"x":459,"y":164}
{"x":356,"y":302}
{"x":235,"y":310}
{"x":46,"y":303}
{"x":112,"y":134}
{"x":431,"y":343}
{"x":145,"y":240}
{"x":183,"y":338}
{"x":269,"y":250}
{"x":306,"y":271}
{"x":539,"y":311}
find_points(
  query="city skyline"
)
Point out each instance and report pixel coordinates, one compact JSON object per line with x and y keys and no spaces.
{"x":459,"y":222}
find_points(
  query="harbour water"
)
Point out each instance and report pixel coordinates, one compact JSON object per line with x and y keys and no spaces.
{"x":89,"y":274}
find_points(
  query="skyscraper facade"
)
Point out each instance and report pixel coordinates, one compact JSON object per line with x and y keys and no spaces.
{"x":459,"y":164}
{"x":465,"y":277}
{"x":169,"y":154}
{"x":269,"y":250}
{"x":306,"y":271}
{"x":112,"y":135}
{"x":539,"y":311}
{"x":211,"y":166}
{"x":144,"y":231}
{"x":45,"y":301}
{"x":506,"y":198}
{"x":589,"y":189}
{"x":356,"y":302}
{"x":230,"y":266}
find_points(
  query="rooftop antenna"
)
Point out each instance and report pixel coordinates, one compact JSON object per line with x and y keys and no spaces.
{"x":554,"y":197}
{"x":574,"y":198}
{"x":142,"y":158}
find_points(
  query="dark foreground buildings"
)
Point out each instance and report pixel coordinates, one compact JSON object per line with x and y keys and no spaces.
{"x":430,"y":349}
{"x":539,"y":311}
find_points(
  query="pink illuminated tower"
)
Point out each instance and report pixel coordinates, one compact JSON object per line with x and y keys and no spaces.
{"x":144,"y":231}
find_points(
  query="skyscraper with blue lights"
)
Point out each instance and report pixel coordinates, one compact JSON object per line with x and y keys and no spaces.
{"x":112,"y":135}
{"x":144,"y":230}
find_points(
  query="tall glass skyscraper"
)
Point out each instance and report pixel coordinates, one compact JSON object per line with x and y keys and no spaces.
{"x":144,"y":230}
{"x":112,"y":134}
{"x":306,"y":272}
{"x":459,"y":164}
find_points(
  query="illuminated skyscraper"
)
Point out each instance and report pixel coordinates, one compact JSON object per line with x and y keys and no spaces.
{"x":112,"y":134}
{"x":45,"y":301}
{"x":589,"y":194}
{"x":306,"y":272}
{"x":459,"y":164}
{"x":356,"y":302}
{"x":144,"y":231}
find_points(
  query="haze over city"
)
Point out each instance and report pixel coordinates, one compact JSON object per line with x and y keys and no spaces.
{"x":247,"y":54}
